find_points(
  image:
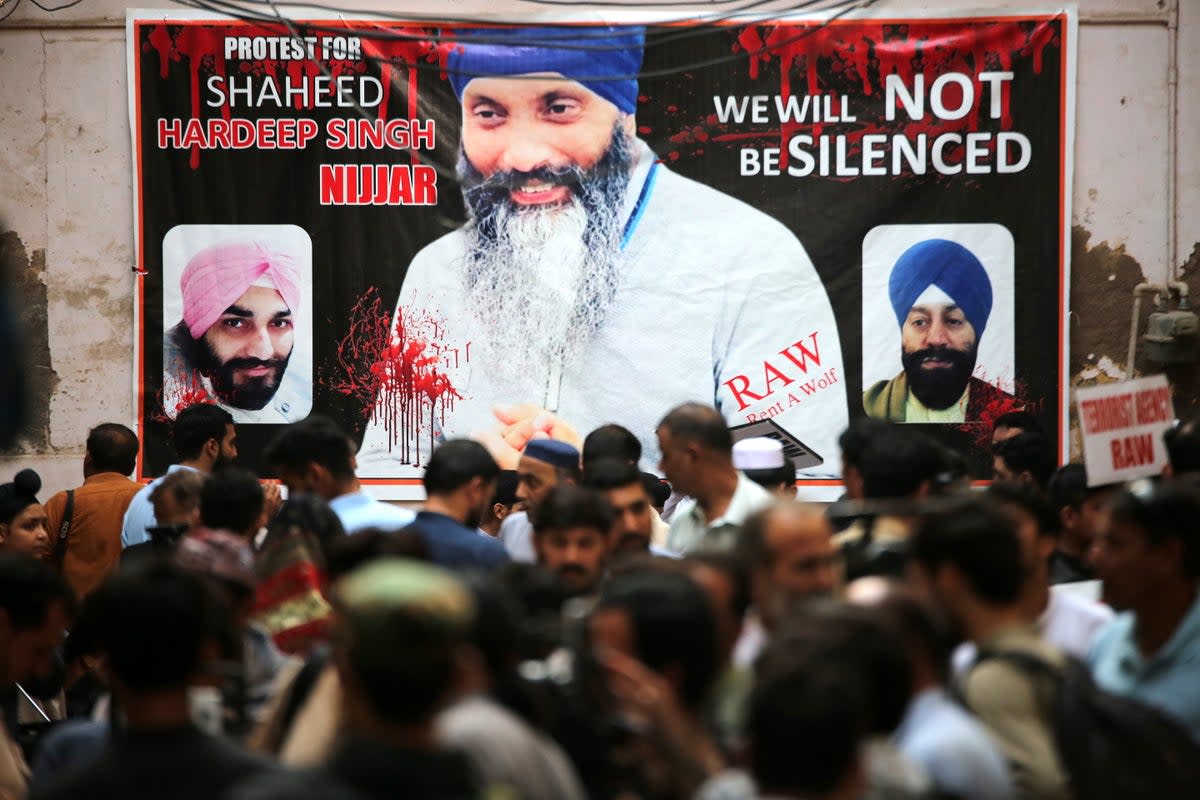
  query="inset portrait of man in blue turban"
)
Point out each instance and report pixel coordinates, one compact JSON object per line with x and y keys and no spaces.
{"x":942,"y":299}
{"x":593,"y":283}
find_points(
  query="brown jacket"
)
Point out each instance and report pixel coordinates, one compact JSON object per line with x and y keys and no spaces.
{"x":886,"y":400}
{"x":94,"y":541}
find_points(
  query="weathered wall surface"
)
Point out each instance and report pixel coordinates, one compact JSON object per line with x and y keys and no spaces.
{"x":66,"y":229}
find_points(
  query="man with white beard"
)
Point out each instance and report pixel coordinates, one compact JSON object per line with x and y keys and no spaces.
{"x":593,"y":284}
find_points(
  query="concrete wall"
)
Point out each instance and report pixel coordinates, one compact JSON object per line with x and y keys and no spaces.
{"x":66,"y":199}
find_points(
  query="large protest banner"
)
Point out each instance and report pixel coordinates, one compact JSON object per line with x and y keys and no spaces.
{"x":430,"y":231}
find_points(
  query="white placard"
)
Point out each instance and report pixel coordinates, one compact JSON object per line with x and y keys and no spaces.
{"x":1122,"y":426}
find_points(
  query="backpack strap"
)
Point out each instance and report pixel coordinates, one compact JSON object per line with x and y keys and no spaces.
{"x":64,"y":528}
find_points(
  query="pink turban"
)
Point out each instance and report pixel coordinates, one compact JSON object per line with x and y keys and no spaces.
{"x":217,"y":276}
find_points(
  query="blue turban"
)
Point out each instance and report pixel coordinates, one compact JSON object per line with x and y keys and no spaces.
{"x":609,"y":70}
{"x":952,"y":268}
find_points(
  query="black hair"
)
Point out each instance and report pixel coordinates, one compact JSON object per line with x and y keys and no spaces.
{"x":1028,"y":452}
{"x":980,"y":540}
{"x":154,"y":619}
{"x":19,"y":495}
{"x":348,"y":553}
{"x":28,"y":588}
{"x":855,"y":438}
{"x":1068,"y":487}
{"x":1165,"y":511}
{"x":313,"y":440}
{"x":774,"y":477}
{"x":897,"y":461}
{"x":860,"y":642}
{"x":231,"y":500}
{"x":1183,"y":447}
{"x":1029,"y":500}
{"x":610,"y":473}
{"x":673,"y":625}
{"x":658,"y":489}
{"x":733,"y":567}
{"x":310,"y":515}
{"x":1018,"y":420}
{"x":496,"y":628}
{"x":568,"y":506}
{"x":506,"y":488}
{"x":815,"y":704}
{"x":920,"y":626}
{"x":456,"y":463}
{"x":196,"y":425}
{"x":696,"y":422}
{"x":113,"y":448}
{"x":611,"y":441}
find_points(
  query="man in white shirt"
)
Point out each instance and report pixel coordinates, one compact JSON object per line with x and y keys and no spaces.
{"x":315,"y":456}
{"x":593,"y":283}
{"x":545,"y":464}
{"x":204,"y":439}
{"x":697,"y":456}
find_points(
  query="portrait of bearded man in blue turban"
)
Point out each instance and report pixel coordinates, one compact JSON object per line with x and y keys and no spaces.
{"x":591,"y":282}
{"x":942,"y":298}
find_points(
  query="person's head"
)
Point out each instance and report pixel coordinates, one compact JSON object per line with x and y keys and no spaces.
{"x":395,"y":601}
{"x":611,"y":441}
{"x":546,"y":154}
{"x":900,"y":463}
{"x":545,"y":464}
{"x":664,"y":620}
{"x":1035,"y":521}
{"x":762,"y":460}
{"x":1082,"y":511}
{"x":110,"y":448}
{"x":35,"y":607}
{"x":462,"y":474}
{"x":310,"y":516}
{"x":942,"y":298}
{"x":1183,"y":448}
{"x":227,"y":561}
{"x":503,"y":502}
{"x":204,"y":436}
{"x":313,"y":456}
{"x":345,"y":554}
{"x":860,"y":642}
{"x":966,"y":555}
{"x":240,"y":304}
{"x":22,"y":518}
{"x":1027,"y":458}
{"x":1150,"y":544}
{"x":571,"y":534}
{"x":160,"y":627}
{"x":725,"y":578}
{"x":621,"y":485}
{"x":924,"y":631}
{"x":176,"y":498}
{"x":1009,"y":425}
{"x":693,"y":439}
{"x":853,"y":442}
{"x":232,"y":500}
{"x":818,"y":705}
{"x":496,"y":629}
{"x":792,"y":558}
{"x":658,"y":490}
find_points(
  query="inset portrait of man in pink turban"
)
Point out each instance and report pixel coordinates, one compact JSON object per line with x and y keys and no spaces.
{"x":241,"y":338}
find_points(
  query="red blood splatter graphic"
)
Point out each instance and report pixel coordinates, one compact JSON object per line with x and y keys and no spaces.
{"x":854,"y":59}
{"x":1012,"y":396}
{"x":202,"y":47}
{"x":179,"y":392}
{"x":399,"y":374}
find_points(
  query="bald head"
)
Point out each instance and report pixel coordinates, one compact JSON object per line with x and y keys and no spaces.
{"x":791,"y":551}
{"x":694,"y":440}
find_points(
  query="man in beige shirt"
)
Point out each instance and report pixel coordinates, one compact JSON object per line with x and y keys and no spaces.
{"x":967,"y":560}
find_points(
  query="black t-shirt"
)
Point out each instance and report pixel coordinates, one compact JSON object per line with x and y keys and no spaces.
{"x":179,"y":763}
{"x":1065,"y":568}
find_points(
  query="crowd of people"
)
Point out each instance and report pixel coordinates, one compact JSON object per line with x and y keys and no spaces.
{"x":579,"y":628}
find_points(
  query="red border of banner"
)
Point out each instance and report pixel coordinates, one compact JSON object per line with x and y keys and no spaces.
{"x":1065,"y":41}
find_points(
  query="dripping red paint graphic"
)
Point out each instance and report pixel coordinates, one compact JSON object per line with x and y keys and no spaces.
{"x":399,"y":374}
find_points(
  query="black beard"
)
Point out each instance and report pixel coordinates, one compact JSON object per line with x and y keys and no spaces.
{"x":254,"y":393}
{"x":938,"y":388}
